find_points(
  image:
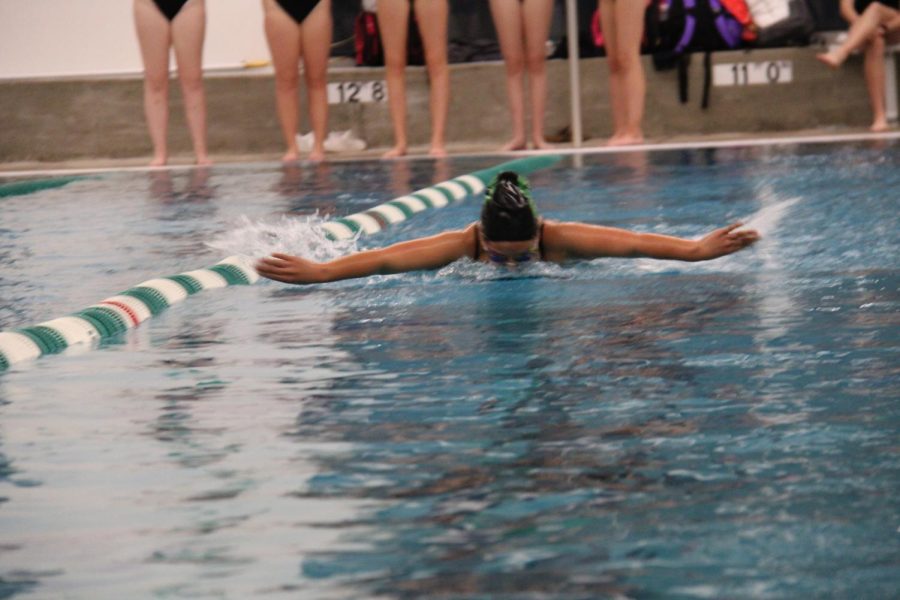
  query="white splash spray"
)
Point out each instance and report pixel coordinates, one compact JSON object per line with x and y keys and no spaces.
{"x":767,"y":218}
{"x":300,"y":236}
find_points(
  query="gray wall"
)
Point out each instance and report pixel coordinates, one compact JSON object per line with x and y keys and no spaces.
{"x":64,"y":120}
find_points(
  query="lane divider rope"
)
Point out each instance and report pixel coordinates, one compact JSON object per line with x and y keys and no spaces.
{"x":128,"y":309}
{"x":439,"y":195}
{"x":121,"y":312}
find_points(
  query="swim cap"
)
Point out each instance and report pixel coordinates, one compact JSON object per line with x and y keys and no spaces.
{"x":509,"y":213}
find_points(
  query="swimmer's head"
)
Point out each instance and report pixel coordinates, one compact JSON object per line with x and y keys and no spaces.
{"x":509,"y":213}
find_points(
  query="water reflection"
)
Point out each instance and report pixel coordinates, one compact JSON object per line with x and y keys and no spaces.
{"x":308,"y":188}
{"x":178,"y":206}
{"x":535,"y":430}
{"x":196,"y":189}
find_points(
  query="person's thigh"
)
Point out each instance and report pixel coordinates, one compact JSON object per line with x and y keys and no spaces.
{"x":610,"y":29}
{"x":283,"y":37}
{"x":538,"y":15}
{"x":507,"y":15}
{"x":393,"y":20}
{"x":154,"y":38}
{"x":316,"y":32}
{"x":188,"y":32}
{"x":629,"y":21}
{"x":431,"y":17}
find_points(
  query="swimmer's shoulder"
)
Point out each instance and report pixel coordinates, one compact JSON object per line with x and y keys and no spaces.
{"x":469,"y":240}
{"x":553,"y":240}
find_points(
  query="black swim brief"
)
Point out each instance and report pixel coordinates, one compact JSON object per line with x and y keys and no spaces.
{"x":169,"y":8}
{"x":298,"y":9}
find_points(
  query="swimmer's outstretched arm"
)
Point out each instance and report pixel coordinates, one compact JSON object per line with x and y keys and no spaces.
{"x":580,"y":240}
{"x":421,"y":254}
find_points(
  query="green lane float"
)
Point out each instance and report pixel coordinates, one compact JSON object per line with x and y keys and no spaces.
{"x":30,"y":186}
{"x":121,"y":312}
{"x":440,"y":195}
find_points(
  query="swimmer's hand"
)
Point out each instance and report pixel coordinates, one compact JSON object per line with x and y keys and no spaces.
{"x":289,"y":269}
{"x":726,"y":240}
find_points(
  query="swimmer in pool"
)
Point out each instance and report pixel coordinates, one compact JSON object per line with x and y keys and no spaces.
{"x":510,"y":233}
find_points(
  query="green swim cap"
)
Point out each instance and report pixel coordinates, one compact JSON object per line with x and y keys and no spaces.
{"x":509,"y":212}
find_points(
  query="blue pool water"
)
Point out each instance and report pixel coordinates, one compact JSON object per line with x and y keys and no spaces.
{"x":608,"y":429}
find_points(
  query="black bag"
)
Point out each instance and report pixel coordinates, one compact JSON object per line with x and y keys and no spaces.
{"x":691,"y":26}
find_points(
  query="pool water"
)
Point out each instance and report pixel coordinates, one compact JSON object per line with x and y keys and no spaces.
{"x":604,"y":429}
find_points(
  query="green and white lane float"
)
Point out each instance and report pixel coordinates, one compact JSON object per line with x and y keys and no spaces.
{"x":436,"y":196}
{"x":121,"y":312}
{"x":128,"y":309}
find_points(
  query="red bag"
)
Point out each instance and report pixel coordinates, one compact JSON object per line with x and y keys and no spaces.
{"x":367,"y":40}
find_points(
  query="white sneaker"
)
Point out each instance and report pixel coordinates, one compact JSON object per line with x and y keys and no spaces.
{"x":305,"y":141}
{"x":337,"y":141}
{"x":344,"y":141}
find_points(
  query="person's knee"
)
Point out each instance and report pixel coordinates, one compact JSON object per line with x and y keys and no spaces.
{"x":537,"y":62}
{"x":874,"y":8}
{"x":515,"y":65}
{"x":614,"y":64}
{"x":192,"y":83}
{"x":626,"y":62}
{"x":157,"y":84}
{"x":317,"y":78}
{"x":395,"y":69}
{"x":286,"y":84}
{"x":437,"y":67}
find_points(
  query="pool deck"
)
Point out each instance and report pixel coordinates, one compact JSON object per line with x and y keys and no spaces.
{"x":89,"y":124}
{"x":85,"y":166}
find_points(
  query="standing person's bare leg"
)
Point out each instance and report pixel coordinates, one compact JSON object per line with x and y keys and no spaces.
{"x":629,"y":30}
{"x":538,"y":15}
{"x":154,"y":39}
{"x":283,"y":37}
{"x":188,"y":32}
{"x":617,"y":99}
{"x":316,"y":48}
{"x":393,"y":20}
{"x":508,"y":22}
{"x":432,"y":17}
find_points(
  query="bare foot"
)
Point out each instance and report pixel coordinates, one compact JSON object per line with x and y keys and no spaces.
{"x":513,"y":145}
{"x":437,"y":152}
{"x":159,"y":161}
{"x":292,"y":155}
{"x":204,"y":161}
{"x":317,"y":154}
{"x":395,"y":152}
{"x":542,"y":144}
{"x":829,"y":59}
{"x":625,"y":140}
{"x":879,"y":125}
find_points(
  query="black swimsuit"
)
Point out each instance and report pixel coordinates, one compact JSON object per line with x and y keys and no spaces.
{"x":298,"y":9}
{"x":478,"y":241}
{"x":169,"y":8}
{"x":862,"y":5}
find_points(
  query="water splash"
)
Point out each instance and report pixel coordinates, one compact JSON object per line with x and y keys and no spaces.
{"x":480,"y":271}
{"x":303,"y":237}
{"x":767,"y":218}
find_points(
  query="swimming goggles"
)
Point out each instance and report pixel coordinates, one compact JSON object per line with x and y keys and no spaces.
{"x":501,"y":258}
